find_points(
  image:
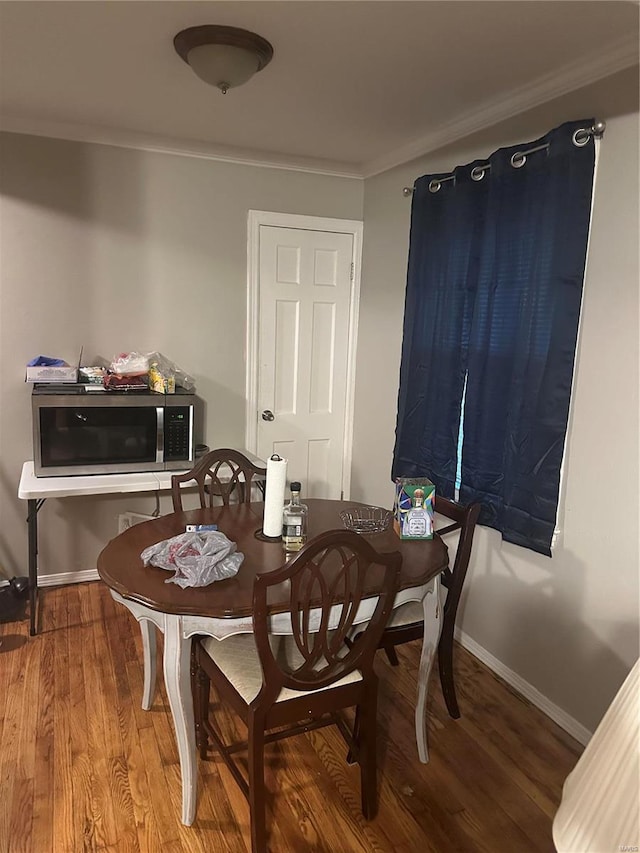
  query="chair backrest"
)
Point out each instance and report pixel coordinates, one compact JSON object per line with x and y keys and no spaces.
{"x":465,"y":519}
{"x":326,"y":583}
{"x":222,"y":473}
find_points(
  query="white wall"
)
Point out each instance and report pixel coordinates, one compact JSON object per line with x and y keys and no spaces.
{"x":568,"y":625}
{"x":114,"y":250}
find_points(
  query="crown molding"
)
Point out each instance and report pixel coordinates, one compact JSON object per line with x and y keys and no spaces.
{"x":178,"y":147}
{"x":616,"y":57}
{"x":612,"y":58}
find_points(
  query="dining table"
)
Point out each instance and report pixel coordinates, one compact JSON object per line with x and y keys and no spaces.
{"x":224,"y":608}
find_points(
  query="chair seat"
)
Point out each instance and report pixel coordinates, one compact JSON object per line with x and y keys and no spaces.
{"x":406,"y":614}
{"x":238,"y":659}
{"x":412,"y":612}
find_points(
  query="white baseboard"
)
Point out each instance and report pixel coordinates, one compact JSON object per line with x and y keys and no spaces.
{"x":566,"y":722}
{"x":64,"y":578}
{"x":68,"y":577}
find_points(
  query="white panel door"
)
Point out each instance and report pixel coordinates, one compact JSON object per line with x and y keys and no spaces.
{"x":303,"y":344}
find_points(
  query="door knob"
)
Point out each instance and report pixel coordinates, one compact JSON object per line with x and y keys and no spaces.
{"x":268,"y":415}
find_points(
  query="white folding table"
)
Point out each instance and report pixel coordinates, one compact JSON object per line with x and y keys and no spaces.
{"x":35,"y":490}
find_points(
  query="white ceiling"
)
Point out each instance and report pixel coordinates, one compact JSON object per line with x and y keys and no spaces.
{"x":354,"y":87}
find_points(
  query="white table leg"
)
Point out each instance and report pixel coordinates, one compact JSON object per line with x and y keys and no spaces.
{"x":177,"y":679}
{"x":147,"y":619}
{"x":432,"y":611}
{"x":149,"y":649}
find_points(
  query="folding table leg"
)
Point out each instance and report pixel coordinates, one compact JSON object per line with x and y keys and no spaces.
{"x":33,"y":506}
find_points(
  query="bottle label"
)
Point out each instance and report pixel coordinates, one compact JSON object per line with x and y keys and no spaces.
{"x":294,"y":524}
{"x":417,"y":526}
{"x":417,"y":523}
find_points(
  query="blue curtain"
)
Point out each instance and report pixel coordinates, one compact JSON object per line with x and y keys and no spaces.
{"x":494,"y":287}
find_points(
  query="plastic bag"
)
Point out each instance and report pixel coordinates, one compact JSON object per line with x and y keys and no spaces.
{"x":157,"y":382}
{"x":46,"y":361}
{"x":169,"y":370}
{"x":130,"y":364}
{"x":198,"y":558}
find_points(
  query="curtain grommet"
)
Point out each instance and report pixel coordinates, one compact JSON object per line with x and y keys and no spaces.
{"x":478,"y":173}
{"x":436,"y":183}
{"x":581,"y":137}
{"x":518,"y":160}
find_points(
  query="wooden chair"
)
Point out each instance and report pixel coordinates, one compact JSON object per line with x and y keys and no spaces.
{"x":406,"y":622}
{"x":304,"y":676}
{"x":222,"y":473}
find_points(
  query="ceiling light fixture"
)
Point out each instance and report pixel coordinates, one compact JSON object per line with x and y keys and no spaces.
{"x":223,"y":56}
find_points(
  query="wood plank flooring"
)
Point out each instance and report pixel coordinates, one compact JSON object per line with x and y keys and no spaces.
{"x":84,"y":768}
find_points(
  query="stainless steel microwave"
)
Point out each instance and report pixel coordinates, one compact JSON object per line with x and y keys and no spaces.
{"x":110,"y":432}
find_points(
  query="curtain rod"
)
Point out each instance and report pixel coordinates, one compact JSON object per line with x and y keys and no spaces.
{"x":580,"y":138}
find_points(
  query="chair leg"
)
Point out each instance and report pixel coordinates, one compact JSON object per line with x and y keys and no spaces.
{"x":367,"y":753}
{"x":391,"y":655}
{"x":445,"y":666}
{"x":356,"y":734}
{"x":256,"y":786}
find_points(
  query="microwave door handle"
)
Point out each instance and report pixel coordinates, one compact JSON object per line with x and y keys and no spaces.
{"x":160,"y":434}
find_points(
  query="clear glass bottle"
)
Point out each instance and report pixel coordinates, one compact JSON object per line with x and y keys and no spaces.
{"x":294,"y":521}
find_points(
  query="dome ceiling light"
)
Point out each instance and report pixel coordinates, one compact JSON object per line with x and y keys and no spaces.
{"x":223,"y":56}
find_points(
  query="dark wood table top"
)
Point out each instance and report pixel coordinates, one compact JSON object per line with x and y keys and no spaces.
{"x":120,"y":566}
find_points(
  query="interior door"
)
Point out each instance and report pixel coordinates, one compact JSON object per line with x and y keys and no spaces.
{"x":305,"y":280}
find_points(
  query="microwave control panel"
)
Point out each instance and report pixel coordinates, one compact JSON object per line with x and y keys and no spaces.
{"x":177,"y":433}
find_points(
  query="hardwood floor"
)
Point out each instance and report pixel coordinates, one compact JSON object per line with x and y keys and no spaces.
{"x":84,"y":768}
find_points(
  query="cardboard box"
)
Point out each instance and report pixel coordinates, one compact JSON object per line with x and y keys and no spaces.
{"x":42,"y":373}
{"x":413,"y":507}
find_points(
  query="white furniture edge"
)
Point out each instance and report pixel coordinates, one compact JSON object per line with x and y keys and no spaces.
{"x":37,"y":488}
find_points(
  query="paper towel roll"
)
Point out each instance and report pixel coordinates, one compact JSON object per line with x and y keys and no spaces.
{"x":274,"y":496}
